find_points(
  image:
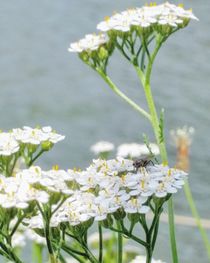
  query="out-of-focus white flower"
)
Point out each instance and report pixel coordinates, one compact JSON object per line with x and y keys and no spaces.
{"x":182,"y":135}
{"x":102,"y":147}
{"x":18,"y":240}
{"x":8,"y":144}
{"x":142,"y":259}
{"x":135,"y":150}
{"x":36,"y":222}
{"x":33,"y":236}
{"x":89,"y":43}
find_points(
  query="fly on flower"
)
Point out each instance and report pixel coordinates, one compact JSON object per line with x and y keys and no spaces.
{"x":142,"y":163}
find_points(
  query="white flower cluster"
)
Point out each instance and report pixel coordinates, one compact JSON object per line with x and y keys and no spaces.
{"x":36,"y":136}
{"x":142,"y":259}
{"x":164,"y":14}
{"x":10,"y":142}
{"x":104,"y":188}
{"x":102,"y":147}
{"x":89,"y":43}
{"x":16,"y":192}
{"x":136,"y":150}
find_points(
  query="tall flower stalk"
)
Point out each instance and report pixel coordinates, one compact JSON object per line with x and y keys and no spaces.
{"x":138,"y":34}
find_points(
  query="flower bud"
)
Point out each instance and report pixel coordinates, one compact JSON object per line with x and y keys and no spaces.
{"x":134,"y":218}
{"x":46,"y":146}
{"x":103,"y":53}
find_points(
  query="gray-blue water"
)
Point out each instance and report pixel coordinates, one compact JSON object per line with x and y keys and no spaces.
{"x":41,"y":83}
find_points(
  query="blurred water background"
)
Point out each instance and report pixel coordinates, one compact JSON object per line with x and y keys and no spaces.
{"x":41,"y":83}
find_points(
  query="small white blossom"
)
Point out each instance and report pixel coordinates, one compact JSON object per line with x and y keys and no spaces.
{"x":136,"y":205}
{"x":102,"y":147}
{"x":89,"y":43}
{"x":170,"y":20}
{"x":8,"y":144}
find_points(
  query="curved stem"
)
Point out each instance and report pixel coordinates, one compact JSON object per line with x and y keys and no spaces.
{"x":123,"y":96}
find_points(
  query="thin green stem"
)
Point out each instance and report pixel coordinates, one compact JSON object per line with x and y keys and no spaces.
{"x":20,"y":219}
{"x":120,"y":244}
{"x":195,"y":214}
{"x":100,"y":232}
{"x":153,"y":112}
{"x":35,"y":158}
{"x":48,"y":234}
{"x":123,"y":96}
{"x":126,"y":233}
{"x":172,"y":230}
{"x":73,"y":255}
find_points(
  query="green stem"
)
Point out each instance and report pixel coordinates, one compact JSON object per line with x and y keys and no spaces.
{"x":90,"y":255}
{"x":48,"y":234}
{"x":9,"y":253}
{"x":123,"y":96}
{"x":35,"y":158}
{"x":37,"y":253}
{"x":172,"y":230}
{"x":149,"y":254}
{"x":156,"y":127}
{"x":100,"y":231}
{"x":120,"y":244}
{"x":195,"y":214}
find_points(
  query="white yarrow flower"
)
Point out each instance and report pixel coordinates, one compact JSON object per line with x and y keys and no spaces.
{"x":8,"y":144}
{"x":89,"y":43}
{"x":102,"y":147}
{"x":147,"y":16}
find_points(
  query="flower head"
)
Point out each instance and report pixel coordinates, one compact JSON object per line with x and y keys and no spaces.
{"x":147,"y":16}
{"x":8,"y":144}
{"x":89,"y":43}
{"x":135,"y":150}
{"x":102,"y":147}
{"x":36,"y":136}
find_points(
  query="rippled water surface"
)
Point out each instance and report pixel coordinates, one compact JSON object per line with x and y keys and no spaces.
{"x":41,"y":83}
